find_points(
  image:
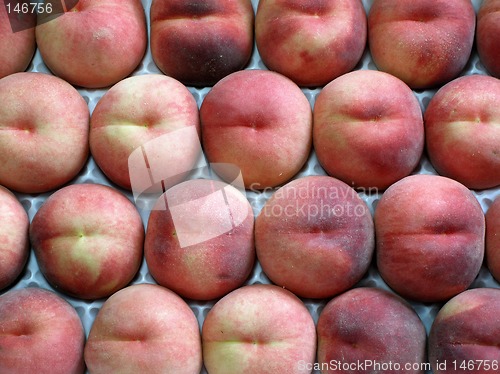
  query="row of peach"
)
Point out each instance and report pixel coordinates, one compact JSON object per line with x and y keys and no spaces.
{"x":96,"y":44}
{"x":367,"y":129}
{"x":254,"y":329}
{"x":202,"y":240}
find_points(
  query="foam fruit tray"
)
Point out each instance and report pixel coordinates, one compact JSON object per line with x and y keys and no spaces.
{"x":87,"y":310}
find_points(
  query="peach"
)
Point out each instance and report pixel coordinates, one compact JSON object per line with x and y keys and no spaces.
{"x":96,"y":43}
{"x":144,"y":328}
{"x":259,"y":121}
{"x":370,"y":330}
{"x":462,"y":132}
{"x":200,"y":42}
{"x":430,"y":237}
{"x":493,"y":238}
{"x":151,"y":114}
{"x":464,"y":337}
{"x":88,"y":240}
{"x":309,"y":227}
{"x":488,"y":27}
{"x":43,"y":134}
{"x":40,"y":333}
{"x":14,"y":241}
{"x":261,"y":329}
{"x":199,"y":240}
{"x":368,"y":129}
{"x":425,"y":43}
{"x":310,"y":42}
{"x":17,"y":43}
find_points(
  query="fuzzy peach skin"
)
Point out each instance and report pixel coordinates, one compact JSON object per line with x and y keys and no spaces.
{"x":201,"y":41}
{"x":488,"y":28}
{"x":462,"y":129}
{"x":423,"y":42}
{"x":311,"y":42}
{"x":149,"y":112}
{"x":493,"y":238}
{"x":44,"y":130}
{"x":200,"y":240}
{"x":14,"y":241}
{"x":261,"y":329}
{"x":315,"y":237}
{"x":16,"y":48}
{"x":40,"y":333}
{"x":88,"y":240}
{"x":368,"y":129}
{"x":144,"y":328}
{"x":430,"y":234}
{"x":465,"y":334}
{"x":259,"y":121}
{"x":96,"y":43}
{"x":371,"y":326}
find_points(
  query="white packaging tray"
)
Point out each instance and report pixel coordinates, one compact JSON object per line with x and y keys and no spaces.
{"x":88,"y":310}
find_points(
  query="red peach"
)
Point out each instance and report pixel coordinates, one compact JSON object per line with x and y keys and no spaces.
{"x":464,"y":337}
{"x":17,"y":47}
{"x":462,"y":132}
{"x":199,"y":42}
{"x":373,"y":327}
{"x":259,"y":329}
{"x":425,"y":43}
{"x":14,"y":242}
{"x":199,"y":240}
{"x":259,"y":121}
{"x":153,"y":115}
{"x":88,"y":240}
{"x":40,"y":333}
{"x":315,"y":237}
{"x":368,"y":129}
{"x":488,"y":29}
{"x":310,"y":42}
{"x":430,"y":237}
{"x":96,"y":43}
{"x":43,"y":134}
{"x":144,"y":329}
{"x":493,"y":238}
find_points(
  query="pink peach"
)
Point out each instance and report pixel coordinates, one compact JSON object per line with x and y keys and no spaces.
{"x":464,"y":336}
{"x":259,"y":121}
{"x":17,"y":46}
{"x":368,"y":129}
{"x":96,"y":43}
{"x":200,"y":42}
{"x":199,"y":240}
{"x":310,"y":42}
{"x":493,"y":238}
{"x":425,"y":43}
{"x":43,"y":134}
{"x":151,"y":115}
{"x":488,"y":28}
{"x":315,"y":237}
{"x":371,"y":327}
{"x":261,"y":329}
{"x":430,"y":237}
{"x":144,"y":329}
{"x":88,"y":240}
{"x":14,"y":241}
{"x":462,"y":132}
{"x":40,"y":333}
